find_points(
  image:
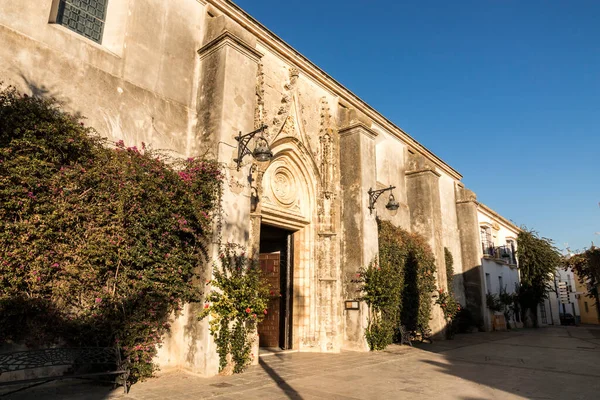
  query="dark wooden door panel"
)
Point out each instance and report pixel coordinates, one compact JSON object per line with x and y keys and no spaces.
{"x":268,"y":329}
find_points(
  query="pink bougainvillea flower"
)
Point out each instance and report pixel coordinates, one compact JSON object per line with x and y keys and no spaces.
{"x":265,"y":312}
{"x":358,"y":275}
{"x":55,"y":265}
{"x":98,"y":300}
{"x":248,"y":310}
{"x":206,"y":305}
{"x":253,"y":315}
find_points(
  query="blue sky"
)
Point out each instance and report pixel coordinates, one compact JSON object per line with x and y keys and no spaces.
{"x":506,"y":92}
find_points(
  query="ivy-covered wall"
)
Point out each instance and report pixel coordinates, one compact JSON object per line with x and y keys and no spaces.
{"x":398,"y":286}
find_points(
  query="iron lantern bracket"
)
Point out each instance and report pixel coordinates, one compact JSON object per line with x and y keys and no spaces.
{"x":374,"y":195}
{"x":243,"y":141}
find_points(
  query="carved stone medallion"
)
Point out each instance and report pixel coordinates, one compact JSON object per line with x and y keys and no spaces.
{"x":284,"y":186}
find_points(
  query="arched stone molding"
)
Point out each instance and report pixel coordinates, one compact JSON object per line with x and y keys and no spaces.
{"x":289,"y":191}
{"x":288,"y":187}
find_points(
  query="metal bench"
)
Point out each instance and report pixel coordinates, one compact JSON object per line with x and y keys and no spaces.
{"x":84,"y":363}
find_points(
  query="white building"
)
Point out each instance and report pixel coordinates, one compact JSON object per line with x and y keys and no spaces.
{"x":498,"y":238}
{"x":562,"y":301}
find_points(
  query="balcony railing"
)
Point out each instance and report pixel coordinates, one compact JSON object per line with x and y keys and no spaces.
{"x":503,"y":253}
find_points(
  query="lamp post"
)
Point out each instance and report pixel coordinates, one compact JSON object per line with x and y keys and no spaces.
{"x":261,"y":152}
{"x":391,"y":205}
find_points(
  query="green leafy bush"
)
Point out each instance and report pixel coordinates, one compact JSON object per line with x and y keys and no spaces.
{"x":379,"y":332}
{"x":493,"y":303}
{"x":398,"y":285}
{"x":507,"y":301}
{"x":236,"y":304}
{"x":449,"y":305}
{"x":538,"y":261}
{"x":446,"y":299}
{"x":98,"y":245}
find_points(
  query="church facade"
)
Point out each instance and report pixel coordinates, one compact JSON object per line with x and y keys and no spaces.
{"x":191,"y":76}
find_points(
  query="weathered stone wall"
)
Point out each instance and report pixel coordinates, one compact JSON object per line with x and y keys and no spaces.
{"x":391,"y":167}
{"x":450,"y":233}
{"x":468,"y":228}
{"x":129,"y":88}
{"x":188,"y":77}
{"x":423,"y":193}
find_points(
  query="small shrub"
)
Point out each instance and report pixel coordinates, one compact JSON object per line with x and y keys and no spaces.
{"x":379,"y":333}
{"x":446,"y":299}
{"x":449,"y":305}
{"x":493,"y":303}
{"x":236,"y":304}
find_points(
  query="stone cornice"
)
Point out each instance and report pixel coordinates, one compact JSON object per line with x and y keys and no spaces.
{"x":422,"y":172}
{"x":289,"y":53}
{"x":358,"y":127}
{"x":467,"y":201}
{"x":229,"y":39}
{"x":495,"y":216}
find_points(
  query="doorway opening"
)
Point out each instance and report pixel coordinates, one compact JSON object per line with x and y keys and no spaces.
{"x":277,"y":264}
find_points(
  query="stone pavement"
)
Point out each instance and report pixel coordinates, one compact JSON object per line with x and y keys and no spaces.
{"x":547,"y":363}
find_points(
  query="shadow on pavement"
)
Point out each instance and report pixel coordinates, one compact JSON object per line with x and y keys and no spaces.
{"x":548,"y":363}
{"x":67,"y":389}
{"x":281,"y":383}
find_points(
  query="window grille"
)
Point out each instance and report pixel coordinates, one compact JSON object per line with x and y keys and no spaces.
{"x":85,"y":17}
{"x":486,"y":241}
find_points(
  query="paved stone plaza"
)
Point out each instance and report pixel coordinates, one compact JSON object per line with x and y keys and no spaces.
{"x":547,"y":363}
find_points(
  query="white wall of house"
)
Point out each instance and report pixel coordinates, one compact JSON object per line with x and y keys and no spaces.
{"x":572,"y":307}
{"x":498,"y":238}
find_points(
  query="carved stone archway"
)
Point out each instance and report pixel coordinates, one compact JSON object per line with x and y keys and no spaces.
{"x":288,"y":189}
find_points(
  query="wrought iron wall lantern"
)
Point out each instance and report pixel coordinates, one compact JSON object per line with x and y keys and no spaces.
{"x":391,"y":205}
{"x":261,"y":152}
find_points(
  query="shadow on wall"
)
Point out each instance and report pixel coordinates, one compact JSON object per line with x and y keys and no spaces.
{"x":42,"y":91}
{"x":410,"y":296}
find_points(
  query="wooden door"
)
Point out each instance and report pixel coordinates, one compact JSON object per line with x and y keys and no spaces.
{"x":268,"y":329}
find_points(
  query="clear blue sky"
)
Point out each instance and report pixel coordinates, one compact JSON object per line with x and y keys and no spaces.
{"x":506,"y":92}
